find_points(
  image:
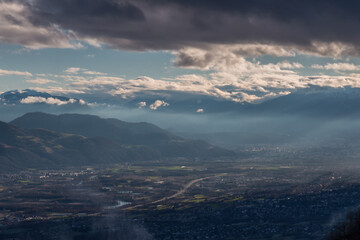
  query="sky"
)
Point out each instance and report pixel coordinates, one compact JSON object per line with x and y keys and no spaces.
{"x":240,"y":51}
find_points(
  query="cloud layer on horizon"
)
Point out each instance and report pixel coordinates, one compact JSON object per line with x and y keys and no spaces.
{"x":232,"y":79}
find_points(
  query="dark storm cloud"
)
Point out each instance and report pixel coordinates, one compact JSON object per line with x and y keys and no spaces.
{"x":58,"y":9}
{"x":173,"y":24}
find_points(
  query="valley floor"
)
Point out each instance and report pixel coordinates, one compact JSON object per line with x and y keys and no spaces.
{"x":223,"y":199}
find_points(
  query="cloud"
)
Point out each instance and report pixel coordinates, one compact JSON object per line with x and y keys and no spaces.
{"x":50,"y":100}
{"x":338,"y":66}
{"x":333,"y":81}
{"x":73,"y":70}
{"x":205,"y":57}
{"x":326,"y":28}
{"x":235,"y":77}
{"x":40,"y":81}
{"x":243,"y":82}
{"x":157,"y":104}
{"x":229,"y":78}
{"x":288,"y":65}
{"x":17,"y":73}
{"x":58,"y":90}
{"x":76,"y":70}
{"x":330,"y":49}
{"x":102,"y":16}
{"x":18,"y":26}
{"x":93,"y":73}
{"x":223,"y":73}
{"x":98,"y":82}
{"x":221,"y":57}
{"x":141,"y":104}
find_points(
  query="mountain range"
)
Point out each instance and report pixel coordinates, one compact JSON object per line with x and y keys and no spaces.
{"x":39,"y":148}
{"x":46,"y":141}
{"x":314,"y":101}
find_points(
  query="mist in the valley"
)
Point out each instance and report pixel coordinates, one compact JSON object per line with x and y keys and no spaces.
{"x":227,"y":129}
{"x":237,"y":129}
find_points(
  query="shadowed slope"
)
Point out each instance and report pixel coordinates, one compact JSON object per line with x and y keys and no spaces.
{"x":144,"y":134}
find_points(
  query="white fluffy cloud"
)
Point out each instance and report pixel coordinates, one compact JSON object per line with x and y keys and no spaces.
{"x":58,"y":90}
{"x":208,"y":57}
{"x":288,"y":65}
{"x":223,"y":74}
{"x":338,"y":66}
{"x":73,"y":70}
{"x":50,"y":100}
{"x":17,"y":73}
{"x":76,"y":70}
{"x":157,"y":104}
{"x":239,"y":81}
{"x":141,"y":104}
{"x":40,"y":81}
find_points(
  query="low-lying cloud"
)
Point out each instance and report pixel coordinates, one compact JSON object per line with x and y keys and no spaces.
{"x":225,"y":76}
{"x":16,"y":73}
{"x":40,"y":81}
{"x":157,"y":104}
{"x":50,"y":100}
{"x":338,"y":66}
{"x":76,"y":70}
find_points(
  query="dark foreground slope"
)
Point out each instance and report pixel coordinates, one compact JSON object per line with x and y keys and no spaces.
{"x":39,"y":148}
{"x":142,"y":134}
{"x":349,"y":229}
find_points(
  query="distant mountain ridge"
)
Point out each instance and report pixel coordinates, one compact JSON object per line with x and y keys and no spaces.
{"x":32,"y":148}
{"x":133,"y":134}
{"x":96,"y":141}
{"x":316,"y":102}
